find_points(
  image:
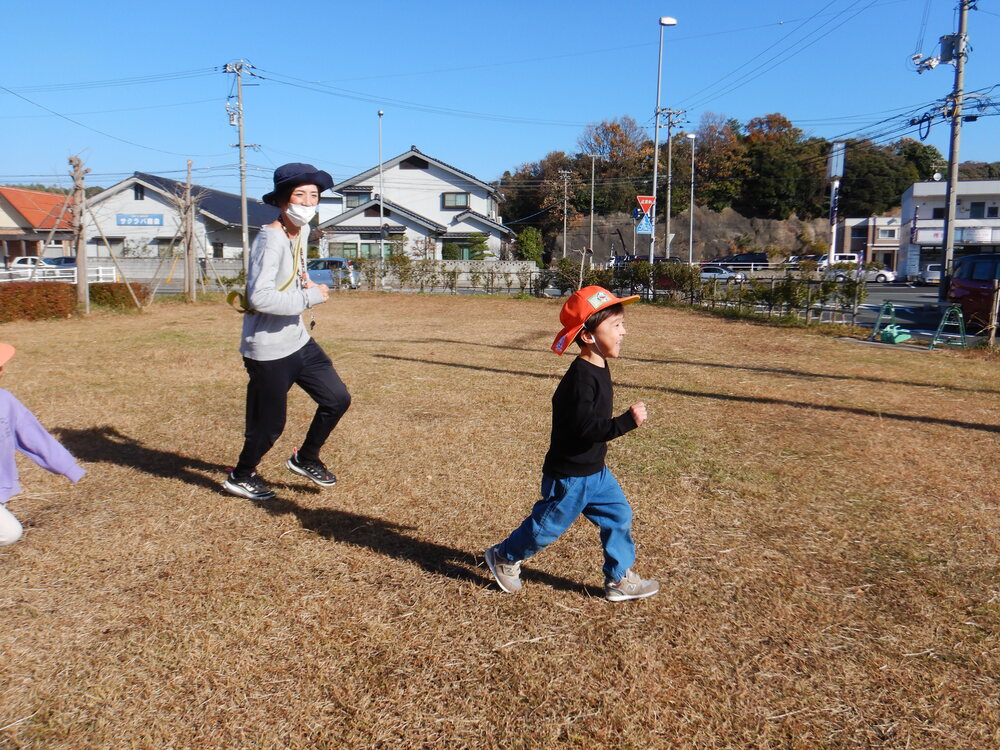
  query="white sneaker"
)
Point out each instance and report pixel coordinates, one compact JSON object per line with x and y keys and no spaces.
{"x":10,"y":527}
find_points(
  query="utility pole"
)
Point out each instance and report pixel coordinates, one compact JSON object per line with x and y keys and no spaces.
{"x":79,"y":236}
{"x":951,"y":196}
{"x":190,"y":283}
{"x":236,"y":118}
{"x":673,"y":118}
{"x":591,"y":245}
{"x":834,"y":171}
{"x":564,"y":173}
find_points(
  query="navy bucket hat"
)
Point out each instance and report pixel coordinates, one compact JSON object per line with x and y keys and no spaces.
{"x":287,"y":177}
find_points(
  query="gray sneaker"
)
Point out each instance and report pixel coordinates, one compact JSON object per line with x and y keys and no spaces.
{"x":508,"y":574}
{"x":631,"y":586}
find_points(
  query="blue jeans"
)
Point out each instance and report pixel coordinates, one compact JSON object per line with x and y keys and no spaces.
{"x":599,"y":498}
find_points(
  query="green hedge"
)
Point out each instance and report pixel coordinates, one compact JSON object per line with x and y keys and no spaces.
{"x":116,"y":295}
{"x":28,"y":300}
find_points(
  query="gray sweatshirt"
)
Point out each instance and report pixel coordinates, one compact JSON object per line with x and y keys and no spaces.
{"x":275,"y":330}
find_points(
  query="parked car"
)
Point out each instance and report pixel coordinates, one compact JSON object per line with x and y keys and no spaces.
{"x":971,"y":287}
{"x":718,"y":273}
{"x":61,"y":261}
{"x":742,"y":259}
{"x":879,"y":276}
{"x":27,"y":261}
{"x":334,"y":272}
{"x":931,"y":274}
{"x":840,"y":258}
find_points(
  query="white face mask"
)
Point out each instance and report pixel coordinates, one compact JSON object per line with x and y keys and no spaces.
{"x":300,"y":215}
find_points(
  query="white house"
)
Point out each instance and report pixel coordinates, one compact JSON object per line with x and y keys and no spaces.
{"x":425,"y":204}
{"x":139,"y":217}
{"x":976,"y":230}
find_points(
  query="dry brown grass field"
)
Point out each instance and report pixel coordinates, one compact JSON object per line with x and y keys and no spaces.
{"x":823,"y":518}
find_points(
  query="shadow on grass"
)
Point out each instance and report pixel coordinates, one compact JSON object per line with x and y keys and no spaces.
{"x":108,"y":445}
{"x":387,"y":538}
{"x":723,"y":396}
{"x":746,"y":368}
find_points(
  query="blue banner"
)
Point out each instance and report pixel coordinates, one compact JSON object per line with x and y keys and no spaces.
{"x":140,"y":220}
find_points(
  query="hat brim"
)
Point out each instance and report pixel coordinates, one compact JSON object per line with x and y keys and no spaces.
{"x":6,"y":352}
{"x":568,"y":335}
{"x":319,"y":178}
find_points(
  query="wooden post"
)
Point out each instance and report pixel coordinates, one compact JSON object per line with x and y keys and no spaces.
{"x":993,"y":313}
{"x":190,"y":283}
{"x":79,"y":236}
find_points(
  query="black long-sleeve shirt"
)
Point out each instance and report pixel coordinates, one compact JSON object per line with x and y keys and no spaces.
{"x":582,"y":423}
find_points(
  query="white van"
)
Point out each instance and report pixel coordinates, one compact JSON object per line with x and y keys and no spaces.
{"x":854,"y":258}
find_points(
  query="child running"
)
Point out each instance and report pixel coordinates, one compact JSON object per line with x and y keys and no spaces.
{"x":19,"y":430}
{"x":575,"y":479}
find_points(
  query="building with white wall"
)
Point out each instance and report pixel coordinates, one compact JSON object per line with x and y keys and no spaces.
{"x":140,"y":217}
{"x":425,"y":205}
{"x":976,"y":230}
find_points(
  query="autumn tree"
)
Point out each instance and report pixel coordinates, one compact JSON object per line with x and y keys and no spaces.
{"x":721,"y":164}
{"x":623,"y":155}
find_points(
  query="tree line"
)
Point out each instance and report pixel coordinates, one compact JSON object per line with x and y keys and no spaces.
{"x":764,"y":168}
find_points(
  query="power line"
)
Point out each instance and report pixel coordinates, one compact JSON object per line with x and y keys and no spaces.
{"x":101,"y":132}
{"x":431,"y":109}
{"x":133,"y":81}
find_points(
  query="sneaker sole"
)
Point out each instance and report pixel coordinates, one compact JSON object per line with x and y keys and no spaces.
{"x":302,"y":472}
{"x":491,"y":562}
{"x":629,"y":597}
{"x":234,"y":489}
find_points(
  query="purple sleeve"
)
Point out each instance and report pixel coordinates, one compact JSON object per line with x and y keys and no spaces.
{"x":37,"y":444}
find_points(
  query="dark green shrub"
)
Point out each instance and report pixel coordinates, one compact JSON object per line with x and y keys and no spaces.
{"x":116,"y":296}
{"x":32,"y":300}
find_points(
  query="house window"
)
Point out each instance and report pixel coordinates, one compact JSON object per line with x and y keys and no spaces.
{"x":455,"y":200}
{"x":887,"y":234}
{"x":991,"y":212}
{"x":343,"y":249}
{"x":370,"y":236}
{"x":353,"y":200}
{"x":977,"y":210}
{"x":217,"y":249}
{"x":937,"y":213}
{"x":165,"y":246}
{"x":373,"y":211}
{"x":139,"y":192}
{"x":859,"y":232}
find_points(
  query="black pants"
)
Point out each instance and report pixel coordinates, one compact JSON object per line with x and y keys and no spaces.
{"x":267,"y":401}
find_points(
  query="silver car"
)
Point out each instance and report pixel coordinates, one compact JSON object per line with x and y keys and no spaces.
{"x":931,"y":274}
{"x":879,"y":276}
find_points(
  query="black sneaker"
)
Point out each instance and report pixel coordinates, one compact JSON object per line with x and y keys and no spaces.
{"x":311,"y":469}
{"x":252,"y":487}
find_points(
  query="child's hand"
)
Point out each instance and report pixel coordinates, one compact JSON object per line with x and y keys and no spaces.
{"x":638,"y":413}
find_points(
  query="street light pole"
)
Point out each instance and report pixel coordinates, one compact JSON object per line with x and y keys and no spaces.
{"x":691,"y":137}
{"x":664,"y":21}
{"x":381,"y":196}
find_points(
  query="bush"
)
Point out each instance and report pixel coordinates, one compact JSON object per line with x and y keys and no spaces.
{"x":116,"y":296}
{"x":31,"y":300}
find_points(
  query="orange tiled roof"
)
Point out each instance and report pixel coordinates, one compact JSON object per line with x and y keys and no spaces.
{"x":40,"y":209}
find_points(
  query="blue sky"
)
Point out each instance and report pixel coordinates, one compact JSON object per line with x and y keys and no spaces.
{"x":485,"y":86}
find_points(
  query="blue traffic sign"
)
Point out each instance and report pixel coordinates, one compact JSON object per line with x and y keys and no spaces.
{"x":645,"y":226}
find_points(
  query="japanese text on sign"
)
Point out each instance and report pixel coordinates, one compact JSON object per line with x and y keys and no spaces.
{"x":140,"y":220}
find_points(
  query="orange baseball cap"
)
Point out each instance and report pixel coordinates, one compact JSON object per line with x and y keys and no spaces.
{"x":580,"y":306}
{"x":6,"y":352}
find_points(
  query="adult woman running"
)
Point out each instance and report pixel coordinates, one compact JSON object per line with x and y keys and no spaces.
{"x":277,"y":348}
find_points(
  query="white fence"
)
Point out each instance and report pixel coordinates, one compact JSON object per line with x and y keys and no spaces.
{"x":66,"y":275}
